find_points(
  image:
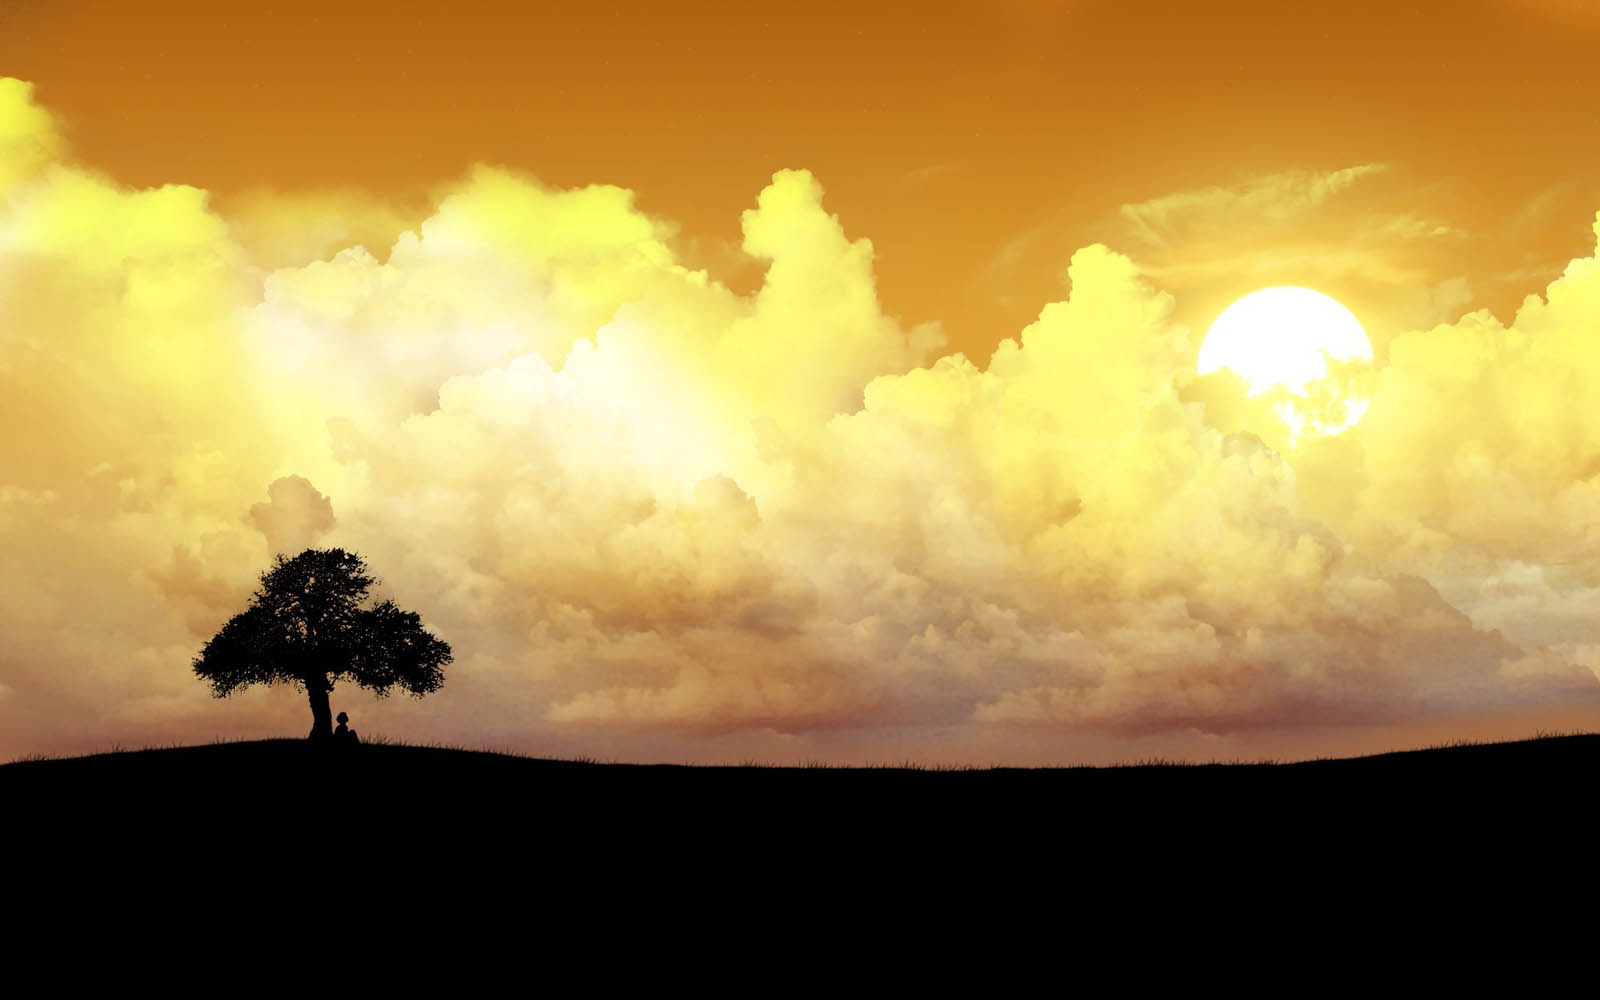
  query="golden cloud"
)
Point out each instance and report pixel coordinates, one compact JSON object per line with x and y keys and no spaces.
{"x":636,"y":502}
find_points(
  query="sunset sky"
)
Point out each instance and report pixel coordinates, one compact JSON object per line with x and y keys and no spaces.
{"x":734,"y":382}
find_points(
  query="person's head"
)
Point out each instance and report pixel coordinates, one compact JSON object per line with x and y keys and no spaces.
{"x":342,"y":718}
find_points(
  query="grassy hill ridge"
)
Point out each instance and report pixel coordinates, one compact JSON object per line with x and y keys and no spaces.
{"x":290,"y":757}
{"x":235,"y":806}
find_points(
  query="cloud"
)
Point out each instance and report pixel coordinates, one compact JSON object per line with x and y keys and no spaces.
{"x":294,"y":516}
{"x":28,"y":137}
{"x":289,"y":228}
{"x":1300,"y":227}
{"x":648,"y":511}
{"x":1358,"y":233}
{"x":1504,"y":417}
{"x":1275,"y":199}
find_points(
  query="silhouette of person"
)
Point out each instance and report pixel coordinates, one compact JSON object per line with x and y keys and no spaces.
{"x":343,"y":735}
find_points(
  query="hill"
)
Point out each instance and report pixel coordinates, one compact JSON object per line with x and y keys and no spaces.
{"x":270,"y":817}
{"x":378,"y":779}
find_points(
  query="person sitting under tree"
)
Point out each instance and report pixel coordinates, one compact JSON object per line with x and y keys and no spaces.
{"x":343,"y":735}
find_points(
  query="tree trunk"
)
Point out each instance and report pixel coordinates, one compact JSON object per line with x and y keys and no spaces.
{"x":317,"y":689}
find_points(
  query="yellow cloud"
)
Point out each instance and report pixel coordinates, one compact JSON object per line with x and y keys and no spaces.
{"x":650,"y":510}
{"x":279,"y":229}
{"x":28,"y":138}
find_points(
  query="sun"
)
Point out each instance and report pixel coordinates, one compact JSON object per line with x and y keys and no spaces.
{"x":1280,"y":340}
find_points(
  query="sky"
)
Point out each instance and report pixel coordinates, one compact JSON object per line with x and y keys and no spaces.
{"x":728,"y":383}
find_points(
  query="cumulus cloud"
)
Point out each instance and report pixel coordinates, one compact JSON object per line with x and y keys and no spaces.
{"x":289,"y":228}
{"x":648,"y":511}
{"x":294,"y":517}
{"x":28,"y":137}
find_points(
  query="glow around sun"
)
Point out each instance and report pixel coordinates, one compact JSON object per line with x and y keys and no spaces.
{"x":1280,"y":341}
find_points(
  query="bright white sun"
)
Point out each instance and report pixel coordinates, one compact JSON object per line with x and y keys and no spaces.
{"x":1280,"y":340}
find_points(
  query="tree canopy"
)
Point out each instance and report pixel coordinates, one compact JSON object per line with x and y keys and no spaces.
{"x":309,"y":624}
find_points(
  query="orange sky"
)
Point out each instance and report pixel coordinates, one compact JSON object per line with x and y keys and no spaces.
{"x":684,"y":469}
{"x":975,"y":144}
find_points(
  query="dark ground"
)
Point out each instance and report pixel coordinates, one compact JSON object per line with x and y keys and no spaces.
{"x":243,"y":771}
{"x":406,"y":834}
{"x":280,"y":783}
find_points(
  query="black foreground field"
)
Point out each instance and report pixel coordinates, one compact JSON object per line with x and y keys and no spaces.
{"x":277,"y":781}
{"x":397,"y":825}
{"x":244,"y":769}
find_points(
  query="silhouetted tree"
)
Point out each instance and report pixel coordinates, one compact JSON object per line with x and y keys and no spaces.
{"x":308,"y":625}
